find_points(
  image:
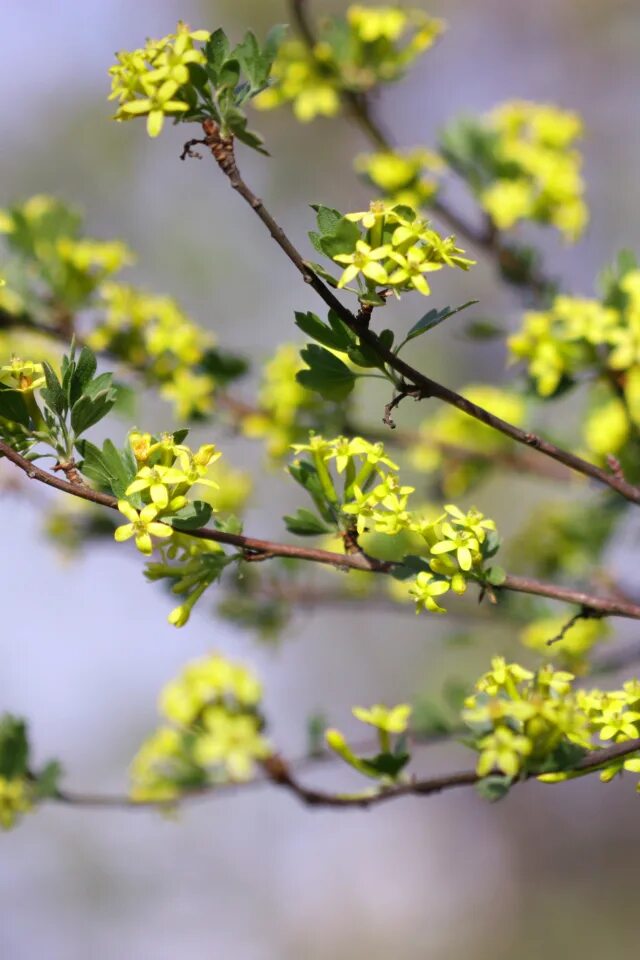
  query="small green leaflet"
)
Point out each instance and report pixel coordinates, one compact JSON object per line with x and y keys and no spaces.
{"x":191,"y":517}
{"x":304,"y":523}
{"x":327,"y":374}
{"x":433,"y":318}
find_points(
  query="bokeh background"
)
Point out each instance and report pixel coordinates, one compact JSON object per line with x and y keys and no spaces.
{"x":84,"y":647}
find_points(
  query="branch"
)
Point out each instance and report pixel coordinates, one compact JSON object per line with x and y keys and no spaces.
{"x":279,"y":773}
{"x":254,"y":548}
{"x":359,"y":107}
{"x":222,"y":151}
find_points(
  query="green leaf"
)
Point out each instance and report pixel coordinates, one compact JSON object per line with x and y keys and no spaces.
{"x":48,"y":780}
{"x":306,"y":475}
{"x":53,"y":394}
{"x":410,"y":567}
{"x":87,"y":411}
{"x":496,"y":576}
{"x":237,"y":123}
{"x":434,"y":317}
{"x":110,"y":469}
{"x":250,"y":59}
{"x":320,"y":270}
{"x":228,"y":75}
{"x":494,"y":787}
{"x":342,"y":239}
{"x":313,"y":326}
{"x":86,"y":366}
{"x":386,"y":764}
{"x":327,"y":374}
{"x":198,"y":78}
{"x":304,"y":523}
{"x":364,"y":356}
{"x":225,"y":367}
{"x":566,"y":756}
{"x":191,"y":517}
{"x":327,"y":218}
{"x":370,"y":298}
{"x":14,"y":747}
{"x":230,"y":524}
{"x":216,"y":50}
{"x":484,"y":330}
{"x":13,"y":407}
{"x":273,"y":41}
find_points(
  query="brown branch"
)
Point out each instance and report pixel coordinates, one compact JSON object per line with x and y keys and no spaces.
{"x":255,"y":548}
{"x":222,"y":151}
{"x":359,"y":108}
{"x":279,"y":773}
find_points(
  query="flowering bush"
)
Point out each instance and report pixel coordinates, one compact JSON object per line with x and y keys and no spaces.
{"x":393,"y":510}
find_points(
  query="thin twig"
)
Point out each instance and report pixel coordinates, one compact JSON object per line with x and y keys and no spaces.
{"x":254,"y":547}
{"x":222,"y":151}
{"x":280,"y":773}
{"x":359,"y":108}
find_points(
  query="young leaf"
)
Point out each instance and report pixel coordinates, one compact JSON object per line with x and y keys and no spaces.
{"x":313,"y":326}
{"x":327,"y":218}
{"x":86,"y":366}
{"x":47,"y":780}
{"x":190,"y":517}
{"x":216,"y":51}
{"x":14,"y":747}
{"x":433,"y":318}
{"x":320,"y":270}
{"x":53,"y":394}
{"x":304,"y":523}
{"x":327,"y":374}
{"x":494,"y":787}
{"x":13,"y":407}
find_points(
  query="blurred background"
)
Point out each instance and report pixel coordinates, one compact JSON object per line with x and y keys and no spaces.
{"x":256,"y":876}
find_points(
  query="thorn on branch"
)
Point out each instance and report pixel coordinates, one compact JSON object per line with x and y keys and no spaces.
{"x":188,"y":151}
{"x":405,"y":391}
{"x":584,"y":613}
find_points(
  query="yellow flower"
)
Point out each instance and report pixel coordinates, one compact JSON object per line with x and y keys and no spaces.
{"x":412,"y":266}
{"x":503,"y":750}
{"x":142,"y":525}
{"x":24,"y":375}
{"x":14,"y":800}
{"x":366,"y":261}
{"x":156,"y":480}
{"x":389,"y":719}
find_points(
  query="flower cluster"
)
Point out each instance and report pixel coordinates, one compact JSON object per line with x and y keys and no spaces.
{"x":394,"y":251}
{"x":42,"y":234}
{"x":147,"y":82}
{"x":213,"y":735}
{"x":526,"y":722}
{"x":577,"y":339}
{"x":404,"y":177}
{"x":16,"y":798}
{"x":150,"y":333}
{"x":370,"y":45}
{"x":390,"y":724}
{"x":155,"y":336}
{"x":166,"y":472}
{"x":538,"y":172}
{"x":446,"y":551}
